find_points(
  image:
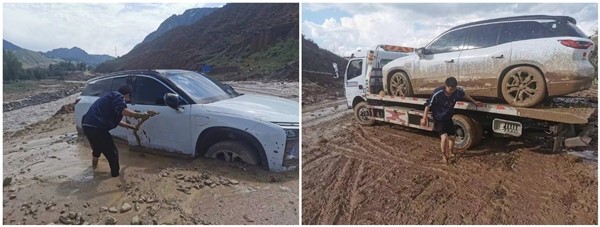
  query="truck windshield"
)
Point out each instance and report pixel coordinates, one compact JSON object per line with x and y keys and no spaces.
{"x":199,"y":87}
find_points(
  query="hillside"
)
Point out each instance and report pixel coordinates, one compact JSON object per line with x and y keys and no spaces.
{"x":188,"y":17}
{"x":76,"y":54}
{"x":317,"y":87}
{"x":241,"y":41}
{"x":6,"y":45}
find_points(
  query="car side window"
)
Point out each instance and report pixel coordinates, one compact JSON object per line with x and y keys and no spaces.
{"x":483,"y":36}
{"x":118,"y":82}
{"x":97,"y":88}
{"x":354,"y":69}
{"x":148,"y":91}
{"x":524,"y":30}
{"x":449,"y":42}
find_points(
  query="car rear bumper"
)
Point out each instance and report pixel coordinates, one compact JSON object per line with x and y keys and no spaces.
{"x":574,"y":84}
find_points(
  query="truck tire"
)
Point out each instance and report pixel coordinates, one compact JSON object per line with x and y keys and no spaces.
{"x":361,"y":112}
{"x":467,"y":134}
{"x":232,"y":151}
{"x":399,"y":85}
{"x":523,"y":86}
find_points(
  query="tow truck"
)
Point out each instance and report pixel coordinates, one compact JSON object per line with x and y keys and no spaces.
{"x":568,"y":125}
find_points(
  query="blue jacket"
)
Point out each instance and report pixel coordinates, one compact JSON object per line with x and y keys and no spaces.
{"x":442,"y":105}
{"x":105,"y":113}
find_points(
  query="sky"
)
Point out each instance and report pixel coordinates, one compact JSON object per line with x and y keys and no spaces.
{"x":95,"y":28}
{"x":345,"y":28}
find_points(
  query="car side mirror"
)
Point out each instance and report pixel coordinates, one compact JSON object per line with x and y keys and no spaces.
{"x":172,"y":100}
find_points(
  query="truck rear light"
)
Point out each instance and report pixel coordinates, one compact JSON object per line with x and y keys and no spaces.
{"x":576,"y":44}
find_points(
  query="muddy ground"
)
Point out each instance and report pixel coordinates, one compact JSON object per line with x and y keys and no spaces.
{"x":52,"y":181}
{"x":388,"y":174}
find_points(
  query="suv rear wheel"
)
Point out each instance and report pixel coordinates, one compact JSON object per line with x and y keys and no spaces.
{"x":523,"y":86}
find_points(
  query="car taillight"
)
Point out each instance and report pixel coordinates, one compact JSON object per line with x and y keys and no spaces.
{"x":77,"y":100}
{"x":576,"y":44}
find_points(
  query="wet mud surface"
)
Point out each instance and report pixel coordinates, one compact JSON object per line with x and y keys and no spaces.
{"x":387,"y":174}
{"x":48,"y":179}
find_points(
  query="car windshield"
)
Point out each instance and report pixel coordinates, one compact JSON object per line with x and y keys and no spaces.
{"x":199,"y":87}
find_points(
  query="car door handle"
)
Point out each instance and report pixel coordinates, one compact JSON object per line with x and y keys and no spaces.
{"x":496,"y":56}
{"x":449,"y":61}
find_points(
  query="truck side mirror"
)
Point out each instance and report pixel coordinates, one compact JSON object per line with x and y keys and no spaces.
{"x":172,"y":100}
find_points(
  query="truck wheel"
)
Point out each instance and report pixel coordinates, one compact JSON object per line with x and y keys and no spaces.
{"x":399,"y":85}
{"x":361,"y":113}
{"x":467,"y":134}
{"x":232,"y":151}
{"x":523,"y":86}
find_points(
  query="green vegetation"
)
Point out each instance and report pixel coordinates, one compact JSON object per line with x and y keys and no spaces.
{"x":275,"y":57}
{"x":13,"y":69}
{"x":19,"y":87}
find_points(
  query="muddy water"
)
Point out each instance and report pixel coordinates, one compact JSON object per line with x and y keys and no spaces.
{"x":58,"y":170}
{"x":18,"y":119}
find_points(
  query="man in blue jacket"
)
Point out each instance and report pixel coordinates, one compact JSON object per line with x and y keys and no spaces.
{"x":105,"y":114}
{"x":442,"y":104}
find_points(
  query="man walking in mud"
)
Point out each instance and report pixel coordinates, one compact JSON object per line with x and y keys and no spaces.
{"x":441,"y":105}
{"x":102,"y":116}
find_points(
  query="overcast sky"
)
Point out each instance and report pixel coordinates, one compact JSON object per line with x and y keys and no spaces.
{"x":95,"y":28}
{"x":342,"y":28}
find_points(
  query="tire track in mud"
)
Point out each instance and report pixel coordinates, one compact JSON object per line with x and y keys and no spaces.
{"x":389,"y":175}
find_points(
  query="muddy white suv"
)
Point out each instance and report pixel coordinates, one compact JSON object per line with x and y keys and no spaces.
{"x":520,"y":59}
{"x":200,"y":116}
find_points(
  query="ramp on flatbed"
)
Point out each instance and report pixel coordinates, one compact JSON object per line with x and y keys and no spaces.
{"x":569,"y":115}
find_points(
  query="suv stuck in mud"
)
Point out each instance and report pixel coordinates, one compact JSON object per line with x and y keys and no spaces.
{"x":521,"y":59}
{"x":199,"y":116}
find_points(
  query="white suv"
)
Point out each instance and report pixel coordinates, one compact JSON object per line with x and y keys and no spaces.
{"x":520,"y":59}
{"x":200,"y":116}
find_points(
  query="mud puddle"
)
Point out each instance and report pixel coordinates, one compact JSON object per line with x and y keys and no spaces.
{"x":52,"y":176}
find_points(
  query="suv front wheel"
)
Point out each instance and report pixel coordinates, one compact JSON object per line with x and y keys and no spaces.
{"x":232,"y":151}
{"x":399,"y":85}
{"x":523,"y":86}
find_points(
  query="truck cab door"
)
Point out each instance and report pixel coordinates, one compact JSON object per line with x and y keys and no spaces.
{"x":354,"y":79}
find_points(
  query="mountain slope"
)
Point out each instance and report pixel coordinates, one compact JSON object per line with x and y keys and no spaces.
{"x":239,"y":40}
{"x":188,"y":17}
{"x":78,"y":55}
{"x":317,"y":87}
{"x":6,"y":45}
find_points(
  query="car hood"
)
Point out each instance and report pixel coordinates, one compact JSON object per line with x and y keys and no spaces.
{"x":265,"y":108}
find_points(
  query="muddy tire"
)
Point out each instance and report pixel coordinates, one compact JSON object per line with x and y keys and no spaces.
{"x":361,"y":112}
{"x":467,"y":134}
{"x":523,"y":86}
{"x":232,"y":151}
{"x":399,"y":85}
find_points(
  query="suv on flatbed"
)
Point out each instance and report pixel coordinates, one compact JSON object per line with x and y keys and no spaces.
{"x":521,"y":59}
{"x":199,"y":116}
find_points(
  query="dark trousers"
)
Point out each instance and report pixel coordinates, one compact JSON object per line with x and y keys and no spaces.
{"x":102,"y":143}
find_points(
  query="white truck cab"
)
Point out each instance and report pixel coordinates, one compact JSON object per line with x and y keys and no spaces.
{"x":356,"y":76}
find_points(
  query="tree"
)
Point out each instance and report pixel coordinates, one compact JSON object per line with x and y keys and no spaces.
{"x":13,"y":69}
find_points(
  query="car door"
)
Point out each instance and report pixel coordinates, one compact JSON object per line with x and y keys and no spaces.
{"x":120,"y":132}
{"x":440,"y":61}
{"x":354,"y":79}
{"x":170,"y":130}
{"x":482,"y":60}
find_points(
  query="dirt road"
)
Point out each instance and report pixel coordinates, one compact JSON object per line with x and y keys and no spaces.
{"x":393,"y":175}
{"x":52,"y":182}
